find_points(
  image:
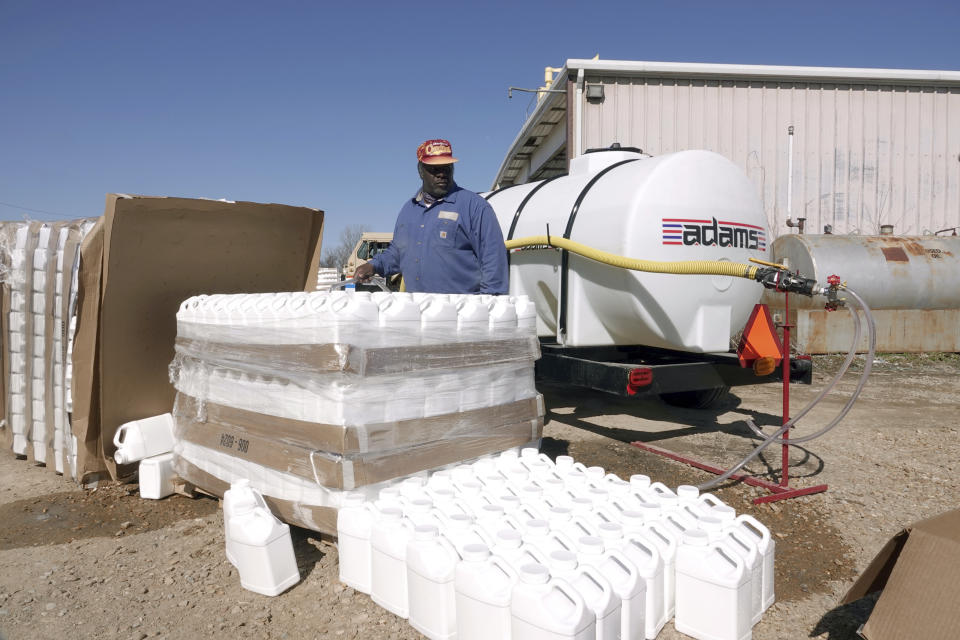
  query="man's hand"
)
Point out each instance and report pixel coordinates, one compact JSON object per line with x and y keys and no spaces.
{"x":363,"y":273}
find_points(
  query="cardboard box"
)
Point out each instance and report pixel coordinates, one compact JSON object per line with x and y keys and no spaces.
{"x":265,"y":442}
{"x":352,"y":439}
{"x":918,"y":571}
{"x":146,"y":256}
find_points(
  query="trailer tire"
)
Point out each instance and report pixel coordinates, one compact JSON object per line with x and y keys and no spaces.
{"x":698,"y":399}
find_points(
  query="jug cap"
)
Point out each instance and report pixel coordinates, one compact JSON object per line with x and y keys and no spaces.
{"x":563,"y":462}
{"x":425,"y":532}
{"x":534,"y":573}
{"x":459,"y":520}
{"x":590,"y":545}
{"x":509,"y":538}
{"x":391,"y":514}
{"x":470,"y":487}
{"x":724,"y":512}
{"x":639,"y":481}
{"x":596,"y":472}
{"x":610,"y":530}
{"x":493,"y":510}
{"x":475,"y":552}
{"x":537,"y":527}
{"x":563,"y":560}
{"x":420,"y":505}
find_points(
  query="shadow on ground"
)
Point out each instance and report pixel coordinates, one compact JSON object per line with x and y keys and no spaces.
{"x":111,"y":510}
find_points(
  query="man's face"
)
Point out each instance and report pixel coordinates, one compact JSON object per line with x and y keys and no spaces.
{"x":437,"y":178}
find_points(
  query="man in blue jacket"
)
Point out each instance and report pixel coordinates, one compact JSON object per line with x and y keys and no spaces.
{"x":446,"y":239}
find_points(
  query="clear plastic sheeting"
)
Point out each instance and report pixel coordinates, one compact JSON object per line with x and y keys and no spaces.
{"x":350,"y":389}
{"x":39,"y":264}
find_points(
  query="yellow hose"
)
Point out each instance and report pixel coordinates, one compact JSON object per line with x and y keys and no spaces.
{"x":688,"y":267}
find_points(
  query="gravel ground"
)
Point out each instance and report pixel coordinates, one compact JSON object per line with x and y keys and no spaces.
{"x":106,"y":564}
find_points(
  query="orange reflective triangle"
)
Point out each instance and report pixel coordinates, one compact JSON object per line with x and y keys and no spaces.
{"x":760,"y":338}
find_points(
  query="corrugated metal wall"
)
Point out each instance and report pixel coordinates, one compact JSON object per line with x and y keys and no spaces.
{"x":863,"y":155}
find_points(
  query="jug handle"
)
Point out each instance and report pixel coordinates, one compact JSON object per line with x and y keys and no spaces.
{"x":117,"y":439}
{"x":662,"y":489}
{"x":710,"y":500}
{"x":483,"y":535}
{"x":567,"y":589}
{"x":505,"y":566}
{"x":647,"y":544}
{"x":597,"y":577}
{"x":564,"y":540}
{"x":584,"y":524}
{"x":755,"y":524}
{"x":721,"y":548}
{"x":622,"y":558}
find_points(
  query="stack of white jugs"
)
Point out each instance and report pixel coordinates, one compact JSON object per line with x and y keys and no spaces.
{"x":520,"y":546}
{"x":149,"y":441}
{"x":432,"y":385}
{"x":19,"y":342}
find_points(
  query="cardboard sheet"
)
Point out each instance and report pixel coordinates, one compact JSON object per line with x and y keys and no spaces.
{"x":384,"y":436}
{"x":156,"y":252}
{"x":85,"y":420}
{"x":918,"y":571}
{"x":349,"y":472}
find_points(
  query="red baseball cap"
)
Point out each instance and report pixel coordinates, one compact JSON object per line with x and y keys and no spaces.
{"x":435,"y":152}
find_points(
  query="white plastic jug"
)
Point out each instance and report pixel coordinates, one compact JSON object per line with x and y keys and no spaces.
{"x":264,"y":552}
{"x":542,"y":608}
{"x":473,"y":317}
{"x":462,"y":530}
{"x":630,"y":587}
{"x":510,"y":546}
{"x":766,"y":547}
{"x":156,"y":476}
{"x":645,"y":556}
{"x":388,"y":561}
{"x":483,"y":585}
{"x":537,"y":533}
{"x":400,"y":320}
{"x":239,"y":498}
{"x":666,"y":541}
{"x":438,"y":318}
{"x":503,"y":316}
{"x":597,"y":592}
{"x":746,"y":548}
{"x":144,"y":438}
{"x":713,"y":590}
{"x":354,"y":525}
{"x":492,"y":518}
{"x":431,"y":565}
{"x":526,"y":313}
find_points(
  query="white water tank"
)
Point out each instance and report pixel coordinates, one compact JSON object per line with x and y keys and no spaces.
{"x":691,"y":205}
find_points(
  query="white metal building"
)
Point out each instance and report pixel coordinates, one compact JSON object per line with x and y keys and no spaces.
{"x":870,"y":147}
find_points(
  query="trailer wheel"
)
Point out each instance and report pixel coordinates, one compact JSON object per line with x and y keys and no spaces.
{"x":698,"y":399}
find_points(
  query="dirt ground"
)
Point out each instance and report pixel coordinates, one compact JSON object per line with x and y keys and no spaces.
{"x":105,"y":564}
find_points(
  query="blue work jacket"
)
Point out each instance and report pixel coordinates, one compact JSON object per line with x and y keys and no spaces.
{"x":452,"y":246}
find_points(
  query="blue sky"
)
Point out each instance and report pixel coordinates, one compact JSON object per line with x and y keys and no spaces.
{"x":323,"y":104}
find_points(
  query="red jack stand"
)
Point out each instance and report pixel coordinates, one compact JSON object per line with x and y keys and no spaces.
{"x":781,"y":491}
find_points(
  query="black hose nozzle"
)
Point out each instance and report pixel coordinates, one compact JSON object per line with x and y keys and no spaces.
{"x":782,"y":280}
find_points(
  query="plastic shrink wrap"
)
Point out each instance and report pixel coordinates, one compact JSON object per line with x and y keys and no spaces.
{"x":311,"y":394}
{"x":38,"y":265}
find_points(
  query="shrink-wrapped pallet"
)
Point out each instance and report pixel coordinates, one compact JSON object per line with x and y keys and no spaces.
{"x":346,"y":390}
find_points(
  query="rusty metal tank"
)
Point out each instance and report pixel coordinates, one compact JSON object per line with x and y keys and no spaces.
{"x":889,"y":272}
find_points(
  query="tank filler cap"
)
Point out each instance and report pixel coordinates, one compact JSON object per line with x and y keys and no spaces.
{"x":595,"y":160}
